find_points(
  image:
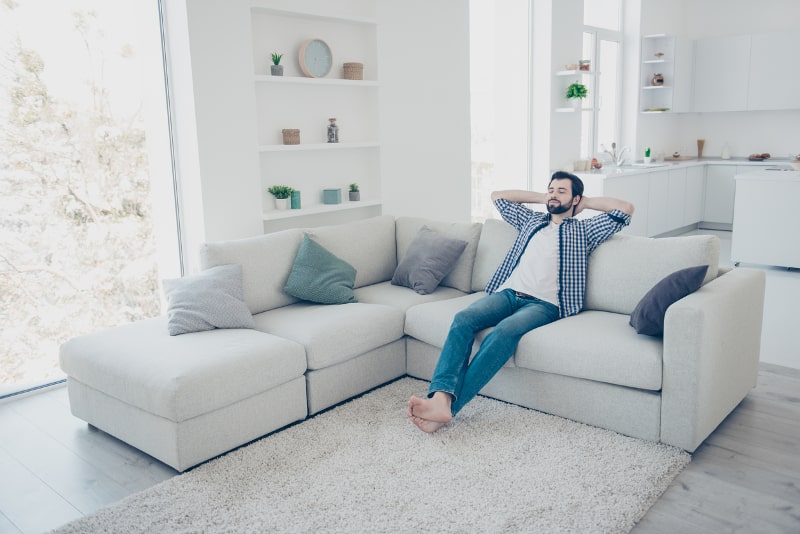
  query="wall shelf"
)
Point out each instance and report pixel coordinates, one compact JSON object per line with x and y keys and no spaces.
{"x":263,"y":78}
{"x":316,"y":146}
{"x":275,"y":215}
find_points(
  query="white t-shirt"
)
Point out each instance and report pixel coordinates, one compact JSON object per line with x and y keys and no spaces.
{"x":537,"y":271}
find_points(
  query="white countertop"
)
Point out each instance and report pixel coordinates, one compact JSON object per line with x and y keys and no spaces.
{"x":779,"y":176}
{"x":610,"y":171}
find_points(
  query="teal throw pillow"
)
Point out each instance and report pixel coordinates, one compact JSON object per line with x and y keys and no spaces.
{"x":319,"y":276}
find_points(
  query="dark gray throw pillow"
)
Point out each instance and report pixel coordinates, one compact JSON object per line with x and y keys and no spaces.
{"x":430,"y":256}
{"x":318,"y":275}
{"x":211,"y":299}
{"x":648,"y":316}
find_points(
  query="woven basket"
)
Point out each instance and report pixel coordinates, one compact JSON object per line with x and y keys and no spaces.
{"x":353,"y":71}
{"x":291,"y":136}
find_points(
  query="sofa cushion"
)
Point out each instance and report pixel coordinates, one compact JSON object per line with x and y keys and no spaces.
{"x":319,"y":276}
{"x":368,"y":245}
{"x":460,"y":277}
{"x":497,"y":237}
{"x":624,"y":268}
{"x":594,"y":345}
{"x":648,"y":316}
{"x":180,"y":377}
{"x":428,"y":259}
{"x":401,"y":297}
{"x":333,"y":334}
{"x":430,"y":322}
{"x":266,"y":261}
{"x":208,"y":300}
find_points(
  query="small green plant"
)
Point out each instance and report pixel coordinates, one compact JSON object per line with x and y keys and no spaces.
{"x":276,"y":58}
{"x":281,"y":191}
{"x":577,"y":90}
{"x":353,"y":187}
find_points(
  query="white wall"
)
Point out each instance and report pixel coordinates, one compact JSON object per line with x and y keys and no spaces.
{"x":423,"y":57}
{"x":744,"y":132}
{"x":211,"y":76}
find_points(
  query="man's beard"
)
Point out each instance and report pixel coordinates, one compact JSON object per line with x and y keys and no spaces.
{"x":558,"y":209}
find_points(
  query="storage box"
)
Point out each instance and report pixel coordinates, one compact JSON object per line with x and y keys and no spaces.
{"x":331,"y":196}
{"x":353,"y":71}
{"x":291,"y":136}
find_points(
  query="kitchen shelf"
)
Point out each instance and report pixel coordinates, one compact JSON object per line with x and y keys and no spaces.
{"x":262,"y":78}
{"x":316,"y":146}
{"x":275,"y":215}
{"x":576,"y":72}
{"x":656,"y":87}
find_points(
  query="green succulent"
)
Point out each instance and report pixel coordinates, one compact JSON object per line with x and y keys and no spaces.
{"x":353,"y":187}
{"x":276,"y":58}
{"x":281,"y":191}
{"x":577,"y":90}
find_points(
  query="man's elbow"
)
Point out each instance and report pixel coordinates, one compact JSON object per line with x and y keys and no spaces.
{"x":627,"y":208}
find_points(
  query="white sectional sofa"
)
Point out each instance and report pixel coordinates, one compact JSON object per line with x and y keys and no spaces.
{"x":185,"y":399}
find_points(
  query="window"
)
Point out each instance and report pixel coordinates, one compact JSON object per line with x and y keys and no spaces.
{"x":85,"y":227}
{"x":499,"y":97}
{"x":600,"y":123}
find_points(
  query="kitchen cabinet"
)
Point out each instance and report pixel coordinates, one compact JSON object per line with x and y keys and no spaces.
{"x":762,"y":236}
{"x":676,"y":198}
{"x":695,"y":195}
{"x":721,"y":73}
{"x":720,"y":192}
{"x":658,"y":203}
{"x":634,"y":189}
{"x":774,"y":81}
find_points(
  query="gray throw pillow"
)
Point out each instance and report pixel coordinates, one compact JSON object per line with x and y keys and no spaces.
{"x":430,"y":256}
{"x":648,"y":316}
{"x":211,"y":299}
{"x":320,"y":276}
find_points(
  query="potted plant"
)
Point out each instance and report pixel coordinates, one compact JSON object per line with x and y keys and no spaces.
{"x":354,"y":193}
{"x":282,"y":194}
{"x":276,"y":68}
{"x":576,"y":92}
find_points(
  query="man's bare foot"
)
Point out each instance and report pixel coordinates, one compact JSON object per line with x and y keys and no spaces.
{"x":435,"y":409}
{"x":425,"y":425}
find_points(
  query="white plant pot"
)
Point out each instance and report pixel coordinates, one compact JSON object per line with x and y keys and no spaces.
{"x":282,"y":203}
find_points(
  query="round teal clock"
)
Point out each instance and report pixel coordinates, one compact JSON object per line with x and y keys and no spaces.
{"x":316,"y":58}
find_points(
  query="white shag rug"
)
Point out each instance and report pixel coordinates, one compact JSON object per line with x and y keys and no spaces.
{"x":363,"y":467}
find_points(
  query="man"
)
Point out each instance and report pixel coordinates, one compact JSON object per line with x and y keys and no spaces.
{"x":542,"y":279}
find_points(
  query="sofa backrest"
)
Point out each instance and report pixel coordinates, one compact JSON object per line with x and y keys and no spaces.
{"x":620,"y":271}
{"x":624,"y":268}
{"x":266,"y":261}
{"x":460,"y":277}
{"x":497,"y":236}
{"x":367,"y":244}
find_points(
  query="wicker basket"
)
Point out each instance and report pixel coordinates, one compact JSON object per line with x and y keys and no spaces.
{"x":353,"y":71}
{"x":291,"y":136}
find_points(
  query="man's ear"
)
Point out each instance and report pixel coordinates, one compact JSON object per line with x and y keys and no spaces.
{"x":576,"y":200}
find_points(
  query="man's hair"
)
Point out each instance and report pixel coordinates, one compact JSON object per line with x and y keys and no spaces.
{"x":577,"y":183}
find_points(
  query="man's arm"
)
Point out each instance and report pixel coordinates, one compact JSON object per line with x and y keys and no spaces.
{"x":521,"y":196}
{"x":604,"y":204}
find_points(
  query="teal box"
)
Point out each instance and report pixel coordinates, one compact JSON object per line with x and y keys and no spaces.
{"x":331,"y":196}
{"x":296,"y":202}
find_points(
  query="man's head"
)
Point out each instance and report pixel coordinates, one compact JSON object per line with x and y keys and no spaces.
{"x":564,"y":192}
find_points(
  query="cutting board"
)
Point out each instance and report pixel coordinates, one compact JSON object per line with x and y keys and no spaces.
{"x":679,"y":158}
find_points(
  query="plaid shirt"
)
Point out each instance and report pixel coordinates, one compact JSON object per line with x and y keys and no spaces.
{"x":577,"y":238}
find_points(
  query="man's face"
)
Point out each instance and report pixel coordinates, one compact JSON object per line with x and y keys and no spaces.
{"x":559,"y":196}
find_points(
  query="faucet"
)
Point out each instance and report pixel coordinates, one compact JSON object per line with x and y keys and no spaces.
{"x":618,"y":159}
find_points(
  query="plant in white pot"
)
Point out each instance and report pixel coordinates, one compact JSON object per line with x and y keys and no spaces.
{"x":276,"y":68}
{"x":576,"y":92}
{"x":354,"y":193}
{"x":282,"y":194}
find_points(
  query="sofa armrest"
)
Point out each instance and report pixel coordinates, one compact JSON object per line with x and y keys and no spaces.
{"x":712,"y":343}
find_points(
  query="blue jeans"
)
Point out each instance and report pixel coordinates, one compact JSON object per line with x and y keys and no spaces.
{"x":512,"y":316}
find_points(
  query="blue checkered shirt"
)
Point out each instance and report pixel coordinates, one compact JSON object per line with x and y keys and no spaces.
{"x":577,"y":238}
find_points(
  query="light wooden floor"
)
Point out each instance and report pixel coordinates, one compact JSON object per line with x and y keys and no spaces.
{"x":745,"y":478}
